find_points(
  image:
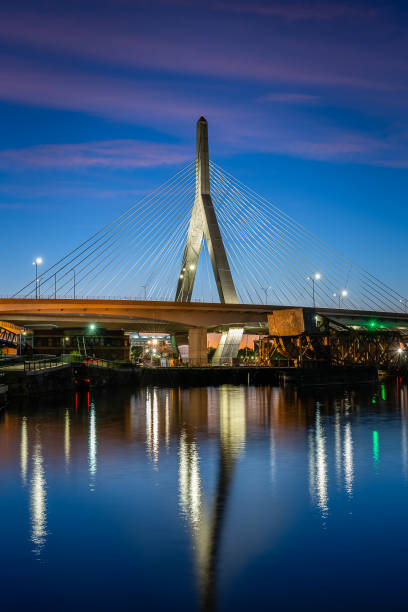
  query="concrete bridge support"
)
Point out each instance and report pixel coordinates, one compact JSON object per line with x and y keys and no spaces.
{"x":228,"y":346}
{"x":197,"y":344}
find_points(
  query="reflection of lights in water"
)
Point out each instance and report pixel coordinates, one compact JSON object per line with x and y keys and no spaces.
{"x":311,"y":464}
{"x":376,"y":448}
{"x":167,"y":424}
{"x":321,"y":466}
{"x":192,"y":506}
{"x":24,"y":450}
{"x":152,"y":425}
{"x":92,"y":440}
{"x":232,"y":419}
{"x":189,"y":480}
{"x":273,"y":454}
{"x":275,"y":403}
{"x":337,"y":445}
{"x":155,"y":427}
{"x":67,"y":438}
{"x":348,"y":459}
{"x":318,"y":466}
{"x":148,"y":422}
{"x":38,"y":500}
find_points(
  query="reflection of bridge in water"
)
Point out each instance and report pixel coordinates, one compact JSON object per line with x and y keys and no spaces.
{"x":205,"y":237}
{"x":214,"y":435}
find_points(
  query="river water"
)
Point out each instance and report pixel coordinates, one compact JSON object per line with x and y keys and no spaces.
{"x":229,"y":498}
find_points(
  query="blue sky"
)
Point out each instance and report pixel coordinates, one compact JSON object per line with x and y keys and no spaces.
{"x":306,"y":103}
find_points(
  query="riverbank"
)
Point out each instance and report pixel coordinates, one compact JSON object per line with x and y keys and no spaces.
{"x":74,"y":376}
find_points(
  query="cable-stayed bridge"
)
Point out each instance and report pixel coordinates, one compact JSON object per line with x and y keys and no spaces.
{"x":204,"y":252}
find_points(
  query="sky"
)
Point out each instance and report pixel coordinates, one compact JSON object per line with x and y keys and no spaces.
{"x":306,"y":103}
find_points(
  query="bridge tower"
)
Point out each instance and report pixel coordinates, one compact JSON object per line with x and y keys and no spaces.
{"x":204,"y":221}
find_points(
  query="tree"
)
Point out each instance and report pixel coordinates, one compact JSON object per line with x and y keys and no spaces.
{"x":136,"y":352}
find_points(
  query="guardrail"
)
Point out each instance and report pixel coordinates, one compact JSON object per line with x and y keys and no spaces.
{"x":42,"y":364}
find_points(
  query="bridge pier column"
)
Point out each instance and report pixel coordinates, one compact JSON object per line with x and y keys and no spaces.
{"x":197,"y":346}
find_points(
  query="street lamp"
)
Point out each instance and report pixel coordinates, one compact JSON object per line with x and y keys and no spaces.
{"x":314,"y":278}
{"x":266,"y":289}
{"x":37,"y":262}
{"x":343,"y":294}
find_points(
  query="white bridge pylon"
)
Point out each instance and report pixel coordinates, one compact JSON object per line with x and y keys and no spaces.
{"x":204,"y":222}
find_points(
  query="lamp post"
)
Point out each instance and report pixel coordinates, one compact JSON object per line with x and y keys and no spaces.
{"x":343,"y":293}
{"x":314,"y":278}
{"x":265,"y":289}
{"x":266,"y":293}
{"x":37,"y":262}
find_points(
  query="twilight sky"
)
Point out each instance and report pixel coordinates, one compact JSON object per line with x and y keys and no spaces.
{"x":306,"y":103}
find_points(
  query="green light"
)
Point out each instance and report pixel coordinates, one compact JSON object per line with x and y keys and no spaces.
{"x":372,"y":324}
{"x":376,"y":447}
{"x":92,"y":326}
{"x":383,"y":396}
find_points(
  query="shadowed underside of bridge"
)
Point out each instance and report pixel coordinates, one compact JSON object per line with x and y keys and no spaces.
{"x":172,"y":316}
{"x":201,"y":251}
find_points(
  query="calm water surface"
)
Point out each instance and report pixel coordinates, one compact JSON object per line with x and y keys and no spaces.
{"x":230,"y":498}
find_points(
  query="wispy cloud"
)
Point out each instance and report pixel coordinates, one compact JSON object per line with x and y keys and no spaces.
{"x":290,"y":98}
{"x":294,"y":58}
{"x":113,"y":154}
{"x":294,"y":11}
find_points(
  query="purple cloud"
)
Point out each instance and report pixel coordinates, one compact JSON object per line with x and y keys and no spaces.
{"x":294,"y":58}
{"x":321,"y":11}
{"x":290,"y":98}
{"x":123,"y":154}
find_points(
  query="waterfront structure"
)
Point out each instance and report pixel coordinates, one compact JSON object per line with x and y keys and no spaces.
{"x":258,"y":257}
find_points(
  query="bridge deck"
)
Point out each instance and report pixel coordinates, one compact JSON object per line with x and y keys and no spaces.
{"x":174,"y":316}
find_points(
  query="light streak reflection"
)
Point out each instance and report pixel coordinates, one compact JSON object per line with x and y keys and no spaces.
{"x":67,"y":439}
{"x":348,"y":460}
{"x":189,"y":480}
{"x":337,"y":446}
{"x":24,"y":450}
{"x":321,"y":466}
{"x":318,"y":466}
{"x":38,"y":501}
{"x":148,"y":422}
{"x":92,"y":443}
{"x":167,"y":422}
{"x":155,"y":428}
{"x":152,"y":425}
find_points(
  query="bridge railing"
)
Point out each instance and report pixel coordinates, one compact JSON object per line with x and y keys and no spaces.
{"x":42,"y":364}
{"x":94,"y":361}
{"x":8,"y":361}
